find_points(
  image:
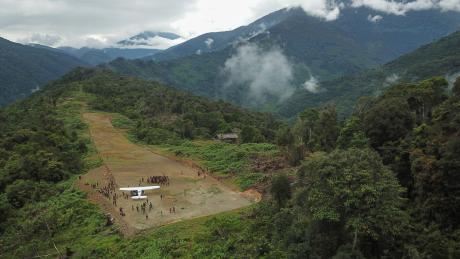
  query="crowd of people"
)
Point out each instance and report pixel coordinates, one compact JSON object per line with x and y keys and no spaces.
{"x":156,"y":179}
{"x":109,"y":191}
{"x":143,"y":208}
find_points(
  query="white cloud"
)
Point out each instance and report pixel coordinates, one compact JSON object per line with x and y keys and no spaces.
{"x":265,"y":72}
{"x":211,"y":15}
{"x":98,"y":22}
{"x":329,"y":10}
{"x":262,"y":29}
{"x":43,"y":39}
{"x":375,"y":19}
{"x":401,"y":8}
{"x":450,"y":5}
{"x":104,"y":21}
{"x":156,"y":42}
{"x":209,"y":42}
{"x":451,"y":79}
{"x":391,"y":80}
{"x":312,"y":85}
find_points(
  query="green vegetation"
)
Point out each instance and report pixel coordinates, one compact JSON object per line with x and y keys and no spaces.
{"x":345,"y":203}
{"x":42,"y":213}
{"x":25,"y":68}
{"x":345,"y":55}
{"x":388,"y":188}
{"x":80,"y":230}
{"x":157,"y":115}
{"x":281,"y":189}
{"x":44,"y":145}
{"x":95,"y":56}
{"x":164,"y":115}
{"x":228,"y":160}
{"x":439,"y":58}
{"x":383,"y":183}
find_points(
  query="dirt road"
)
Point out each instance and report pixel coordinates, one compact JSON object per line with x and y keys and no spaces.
{"x":126,"y":164}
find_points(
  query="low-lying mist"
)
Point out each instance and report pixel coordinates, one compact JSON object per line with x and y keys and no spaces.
{"x":267,"y":73}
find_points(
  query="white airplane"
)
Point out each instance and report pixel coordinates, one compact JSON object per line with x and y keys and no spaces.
{"x":137,"y":193}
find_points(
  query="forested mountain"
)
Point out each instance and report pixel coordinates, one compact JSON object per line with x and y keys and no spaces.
{"x":136,"y":47}
{"x":197,"y":74}
{"x":363,"y":37}
{"x":346,"y":203}
{"x":363,"y":164}
{"x":143,"y":39}
{"x":215,"y":41}
{"x":315,"y":49}
{"x":24,"y":69}
{"x":382,"y":183}
{"x":441,"y":58}
{"x":98,"y":56}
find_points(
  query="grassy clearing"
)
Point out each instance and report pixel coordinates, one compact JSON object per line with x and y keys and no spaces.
{"x":122,"y":122}
{"x":223,"y":159}
{"x":68,"y":225}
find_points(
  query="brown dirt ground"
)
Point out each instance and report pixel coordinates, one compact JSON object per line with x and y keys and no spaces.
{"x":126,"y":163}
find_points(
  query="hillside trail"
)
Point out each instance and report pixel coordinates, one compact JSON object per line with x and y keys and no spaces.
{"x":189,"y":194}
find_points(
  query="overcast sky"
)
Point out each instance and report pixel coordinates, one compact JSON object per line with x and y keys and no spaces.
{"x":100,"y":23}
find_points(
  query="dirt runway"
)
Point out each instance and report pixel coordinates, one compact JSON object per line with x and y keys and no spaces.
{"x":190,"y":194}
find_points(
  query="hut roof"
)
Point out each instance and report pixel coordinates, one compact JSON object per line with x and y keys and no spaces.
{"x":227,"y":136}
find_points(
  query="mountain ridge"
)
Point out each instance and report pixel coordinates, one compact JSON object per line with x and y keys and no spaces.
{"x":316,"y":49}
{"x":440,"y":58}
{"x":214,"y":41}
{"x":24,"y":69}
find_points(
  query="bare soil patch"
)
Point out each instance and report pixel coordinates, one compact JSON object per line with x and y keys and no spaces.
{"x":190,"y":194}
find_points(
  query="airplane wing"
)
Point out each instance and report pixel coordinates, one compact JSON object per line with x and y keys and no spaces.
{"x":140,"y":188}
{"x":145,"y":188}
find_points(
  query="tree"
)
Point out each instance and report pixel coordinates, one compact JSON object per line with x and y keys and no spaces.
{"x":317,"y":129}
{"x":355,"y":190}
{"x":284,"y":137}
{"x":21,"y":192}
{"x":352,"y":135}
{"x":389,"y":120}
{"x":295,"y":153}
{"x":363,"y":104}
{"x":281,"y":190}
{"x":327,"y":128}
{"x":421,"y":97}
{"x":250,"y":134}
{"x":5,"y":209}
{"x":435,"y":167}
